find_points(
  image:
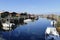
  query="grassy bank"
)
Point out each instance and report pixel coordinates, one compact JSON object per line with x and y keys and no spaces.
{"x":58,"y":26}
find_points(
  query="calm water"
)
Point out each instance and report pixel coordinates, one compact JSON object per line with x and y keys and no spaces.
{"x":30,"y":31}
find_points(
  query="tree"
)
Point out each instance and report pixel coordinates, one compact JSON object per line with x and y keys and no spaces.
{"x":24,"y":14}
{"x":4,"y":14}
{"x":13,"y":14}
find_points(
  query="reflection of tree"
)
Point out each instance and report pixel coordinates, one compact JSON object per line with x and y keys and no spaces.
{"x":1,"y":24}
{"x":4,"y":14}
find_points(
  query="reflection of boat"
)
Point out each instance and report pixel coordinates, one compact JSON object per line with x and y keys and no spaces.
{"x":36,"y":18}
{"x":7,"y":26}
{"x":51,"y":33}
{"x":53,"y":22}
{"x":27,"y":20}
{"x":1,"y":38}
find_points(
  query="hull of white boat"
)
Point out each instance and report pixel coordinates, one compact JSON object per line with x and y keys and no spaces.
{"x":7,"y":26}
{"x":51,"y":33}
{"x":27,"y":20}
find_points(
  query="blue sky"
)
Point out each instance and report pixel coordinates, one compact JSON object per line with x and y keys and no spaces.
{"x":30,"y":6}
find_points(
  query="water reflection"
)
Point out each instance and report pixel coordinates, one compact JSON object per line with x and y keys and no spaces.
{"x":27,"y":31}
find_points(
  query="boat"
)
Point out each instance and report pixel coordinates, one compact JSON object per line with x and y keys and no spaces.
{"x":27,"y":20}
{"x":51,"y":33}
{"x":7,"y":26}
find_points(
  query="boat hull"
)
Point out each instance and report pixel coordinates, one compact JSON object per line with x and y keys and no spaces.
{"x":51,"y":33}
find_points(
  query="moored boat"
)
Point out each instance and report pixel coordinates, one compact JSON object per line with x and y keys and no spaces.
{"x":27,"y":20}
{"x":51,"y":33}
{"x":7,"y":26}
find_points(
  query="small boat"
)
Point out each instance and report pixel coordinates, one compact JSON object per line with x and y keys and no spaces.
{"x":7,"y":26}
{"x":51,"y":33}
{"x":27,"y":20}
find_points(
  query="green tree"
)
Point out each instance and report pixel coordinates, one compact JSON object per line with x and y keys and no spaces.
{"x":24,"y":14}
{"x":13,"y":14}
{"x":4,"y":14}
